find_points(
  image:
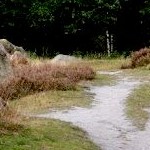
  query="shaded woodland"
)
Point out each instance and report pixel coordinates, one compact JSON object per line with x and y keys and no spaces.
{"x":48,"y":27}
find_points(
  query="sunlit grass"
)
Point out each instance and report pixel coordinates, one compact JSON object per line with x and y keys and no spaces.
{"x":107,"y":64}
{"x":136,"y":103}
{"x":46,"y":135}
{"x":44,"y":101}
{"x":141,"y":74}
{"x":101,"y":80}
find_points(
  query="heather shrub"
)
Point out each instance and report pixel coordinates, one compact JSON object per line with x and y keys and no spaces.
{"x":140,"y":58}
{"x":75,"y":73}
{"x":36,"y":78}
{"x":18,"y":59}
{"x":10,"y":120}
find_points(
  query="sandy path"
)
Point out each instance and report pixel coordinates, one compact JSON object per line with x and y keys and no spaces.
{"x":105,"y":121}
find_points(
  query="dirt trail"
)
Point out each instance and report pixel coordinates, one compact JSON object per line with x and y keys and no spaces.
{"x":105,"y":121}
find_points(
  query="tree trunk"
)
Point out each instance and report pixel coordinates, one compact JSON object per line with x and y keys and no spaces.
{"x":108,"y":43}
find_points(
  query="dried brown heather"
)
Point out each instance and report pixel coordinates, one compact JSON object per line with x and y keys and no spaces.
{"x":35,"y":78}
{"x":140,"y":58}
{"x":28,"y":79}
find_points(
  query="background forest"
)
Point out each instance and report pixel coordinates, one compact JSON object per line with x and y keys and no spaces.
{"x":48,"y":27}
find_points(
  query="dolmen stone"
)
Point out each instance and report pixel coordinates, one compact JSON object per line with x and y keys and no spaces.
{"x":10,"y":56}
{"x":65,"y":60}
{"x":4,"y":62}
{"x":10,"y":48}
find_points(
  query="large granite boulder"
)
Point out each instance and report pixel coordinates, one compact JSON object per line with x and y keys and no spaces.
{"x":9,"y":47}
{"x":3,"y":52}
{"x":10,"y":55}
{"x":65,"y":60}
{"x":4,"y":62}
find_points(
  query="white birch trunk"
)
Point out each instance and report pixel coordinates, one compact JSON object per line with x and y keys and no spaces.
{"x":108,"y":43}
{"x":112,"y":42}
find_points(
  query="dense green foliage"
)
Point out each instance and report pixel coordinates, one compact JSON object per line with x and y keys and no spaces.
{"x":50,"y":26}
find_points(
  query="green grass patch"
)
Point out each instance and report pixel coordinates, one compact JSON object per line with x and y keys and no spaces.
{"x":136,"y":103}
{"x":106,"y":64}
{"x":44,"y":101}
{"x":47,"y":135}
{"x":101,"y":80}
{"x":141,"y":74}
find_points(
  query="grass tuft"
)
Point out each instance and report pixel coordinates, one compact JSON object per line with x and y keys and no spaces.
{"x":136,"y":104}
{"x":10,"y":121}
